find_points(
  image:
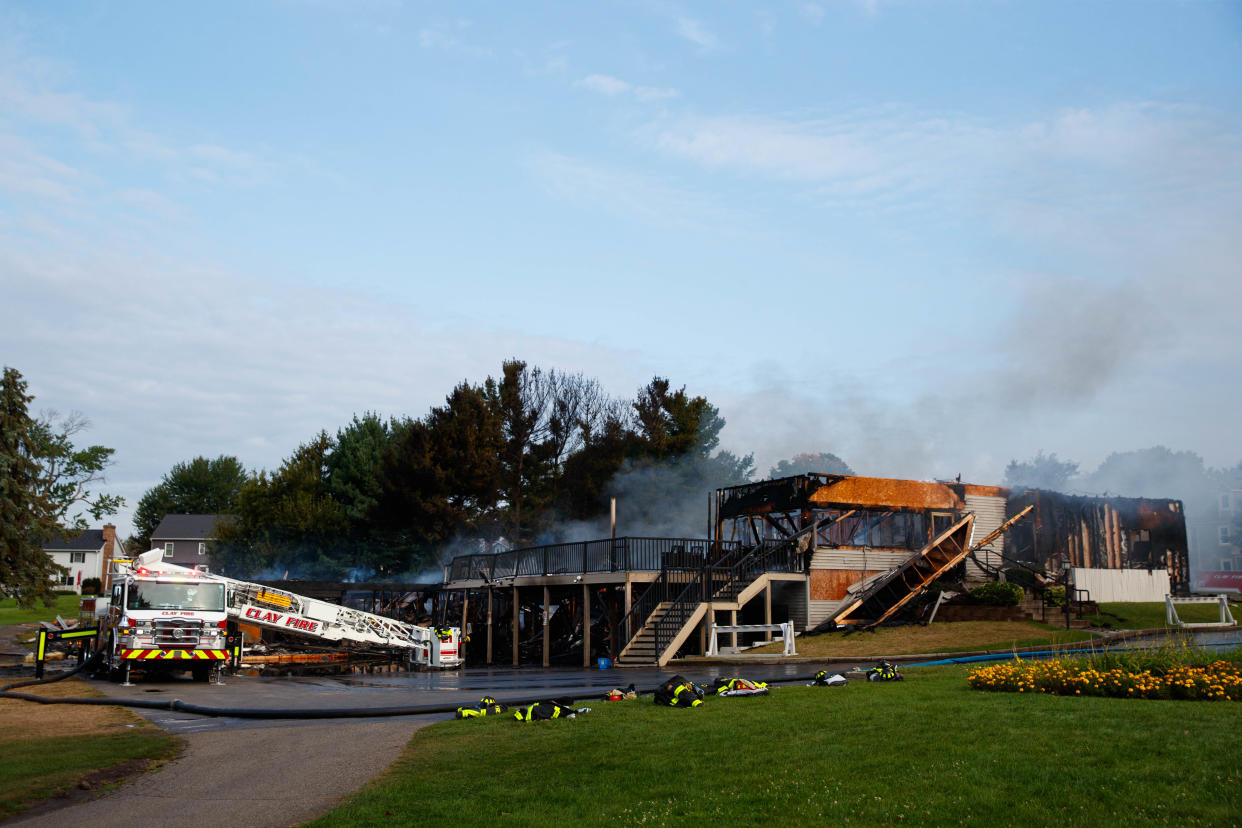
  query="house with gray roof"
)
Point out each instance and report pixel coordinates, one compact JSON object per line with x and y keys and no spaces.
{"x":85,"y":555}
{"x":185,"y":538}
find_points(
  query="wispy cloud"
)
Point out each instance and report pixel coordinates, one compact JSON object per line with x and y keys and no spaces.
{"x":635,"y":195}
{"x":1143,"y":149}
{"x":447,"y":37}
{"x":225,"y":362}
{"x":813,"y":13}
{"x":695,"y":32}
{"x":610,"y":86}
{"x":98,"y":129}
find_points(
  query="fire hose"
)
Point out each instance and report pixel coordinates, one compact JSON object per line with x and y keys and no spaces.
{"x":384,"y":712}
{"x":276,"y":713}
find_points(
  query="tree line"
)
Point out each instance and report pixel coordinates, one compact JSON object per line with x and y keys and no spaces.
{"x":527,"y":457}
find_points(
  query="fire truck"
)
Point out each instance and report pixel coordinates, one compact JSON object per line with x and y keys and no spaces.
{"x":166,"y":617}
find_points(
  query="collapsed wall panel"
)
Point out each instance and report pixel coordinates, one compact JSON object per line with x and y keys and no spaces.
{"x":884,"y":596}
{"x":989,"y":511}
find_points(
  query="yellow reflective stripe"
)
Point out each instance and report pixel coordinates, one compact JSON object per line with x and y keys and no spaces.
{"x":80,"y":634}
{"x":42,"y":645}
{"x":191,"y":655}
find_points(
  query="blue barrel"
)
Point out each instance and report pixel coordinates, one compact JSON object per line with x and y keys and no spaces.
{"x":605,"y":663}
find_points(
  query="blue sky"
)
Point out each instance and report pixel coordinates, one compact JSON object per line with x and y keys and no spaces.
{"x":929,"y":237}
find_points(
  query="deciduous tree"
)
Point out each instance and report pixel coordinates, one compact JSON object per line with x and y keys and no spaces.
{"x":198,"y":487}
{"x":820,"y":463}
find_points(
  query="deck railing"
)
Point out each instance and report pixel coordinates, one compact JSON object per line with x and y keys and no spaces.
{"x":585,"y":557}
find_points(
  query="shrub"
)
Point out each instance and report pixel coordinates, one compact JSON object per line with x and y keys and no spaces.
{"x":1055,"y":596}
{"x":1021,"y":576}
{"x":91,"y":586}
{"x":997,"y":594}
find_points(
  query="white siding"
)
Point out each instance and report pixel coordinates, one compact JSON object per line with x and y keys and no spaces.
{"x":989,"y":515}
{"x":860,"y":559}
{"x":91,"y":567}
{"x":1123,"y":584}
{"x":798,"y":599}
{"x":818,"y":612}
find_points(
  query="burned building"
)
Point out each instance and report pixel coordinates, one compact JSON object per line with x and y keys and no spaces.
{"x":1102,"y":533}
{"x":814,"y":549}
{"x":862,"y":528}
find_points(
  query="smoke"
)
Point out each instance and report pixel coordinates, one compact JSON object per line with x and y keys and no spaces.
{"x":667,"y":500}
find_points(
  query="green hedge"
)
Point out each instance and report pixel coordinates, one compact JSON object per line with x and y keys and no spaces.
{"x":997,"y":594}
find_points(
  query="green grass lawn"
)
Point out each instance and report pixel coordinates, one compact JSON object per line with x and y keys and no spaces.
{"x":66,"y":606}
{"x":1150,"y":615}
{"x":954,"y":637}
{"x":48,"y":749}
{"x":32,"y":770}
{"x":926,"y":751}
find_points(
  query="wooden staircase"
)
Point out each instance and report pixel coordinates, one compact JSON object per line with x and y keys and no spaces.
{"x":642,"y":647}
{"x":728,"y":584}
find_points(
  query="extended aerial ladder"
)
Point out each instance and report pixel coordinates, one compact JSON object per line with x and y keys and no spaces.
{"x":323,"y":621}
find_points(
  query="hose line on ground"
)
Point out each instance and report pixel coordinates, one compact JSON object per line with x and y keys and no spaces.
{"x":410,"y":710}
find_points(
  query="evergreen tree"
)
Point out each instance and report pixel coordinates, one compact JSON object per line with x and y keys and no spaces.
{"x":288,"y":521}
{"x":26,"y":515}
{"x":45,"y":490}
{"x":199,"y":487}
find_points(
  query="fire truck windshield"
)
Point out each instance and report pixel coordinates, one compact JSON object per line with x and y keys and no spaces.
{"x":145,"y":595}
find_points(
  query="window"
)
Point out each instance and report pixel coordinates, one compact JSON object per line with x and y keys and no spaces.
{"x":202,"y":548}
{"x":1224,"y":534}
{"x":1226,"y":565}
{"x":168,"y":549}
{"x":148,"y":595}
{"x":1224,"y":501}
{"x":77,"y":557}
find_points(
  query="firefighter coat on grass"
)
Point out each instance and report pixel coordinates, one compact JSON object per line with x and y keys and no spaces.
{"x":678,"y":692}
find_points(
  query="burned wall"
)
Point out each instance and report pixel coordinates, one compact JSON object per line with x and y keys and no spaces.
{"x":1100,"y":533}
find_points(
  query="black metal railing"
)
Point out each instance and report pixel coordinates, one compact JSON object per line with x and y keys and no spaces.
{"x":778,"y":555}
{"x":722,"y":579}
{"x":668,"y":586}
{"x":676,"y":616}
{"x":582,"y":557}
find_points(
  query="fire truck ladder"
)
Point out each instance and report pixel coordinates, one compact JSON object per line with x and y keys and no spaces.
{"x":288,"y":612}
{"x":276,"y":609}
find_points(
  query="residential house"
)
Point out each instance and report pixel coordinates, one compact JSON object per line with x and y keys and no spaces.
{"x":185,"y":538}
{"x":84,"y":556}
{"x":1216,"y":541}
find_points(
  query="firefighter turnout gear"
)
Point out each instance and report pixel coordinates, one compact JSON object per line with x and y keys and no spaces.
{"x":822,"y":679}
{"x":739,"y":687}
{"x":678,"y":692}
{"x":487,"y":706}
{"x":544,"y":710}
{"x":884,"y":671}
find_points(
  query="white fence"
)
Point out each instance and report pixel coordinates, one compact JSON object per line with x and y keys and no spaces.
{"x":1123,"y":584}
{"x":786,"y":630}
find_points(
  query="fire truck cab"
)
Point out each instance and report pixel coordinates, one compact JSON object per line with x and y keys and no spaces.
{"x":166,"y":622}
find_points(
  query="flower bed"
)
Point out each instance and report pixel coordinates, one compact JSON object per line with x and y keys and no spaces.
{"x":1217,"y":681}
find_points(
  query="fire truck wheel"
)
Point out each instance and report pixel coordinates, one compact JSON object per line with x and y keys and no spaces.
{"x":201,"y":672}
